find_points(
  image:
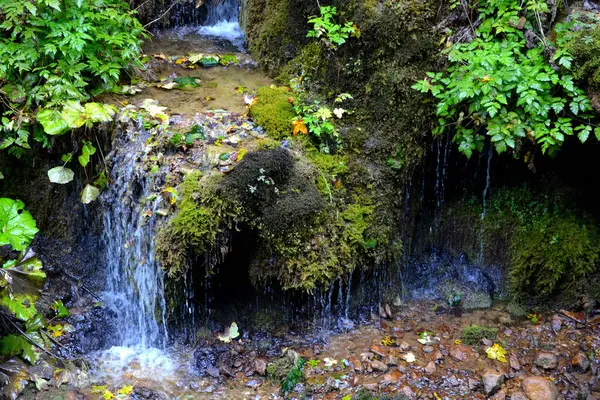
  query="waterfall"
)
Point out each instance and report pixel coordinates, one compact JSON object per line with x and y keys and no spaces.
{"x":135,"y":286}
{"x":222,"y":21}
{"x":484,"y":206}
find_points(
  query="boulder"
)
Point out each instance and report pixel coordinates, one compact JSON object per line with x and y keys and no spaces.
{"x":492,"y":381}
{"x":546,"y":360}
{"x":539,"y":388}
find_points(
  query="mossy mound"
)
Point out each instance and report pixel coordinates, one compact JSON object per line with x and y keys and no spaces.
{"x":474,"y":334}
{"x":273,"y":111}
{"x":585,"y":48}
{"x":364,"y":394}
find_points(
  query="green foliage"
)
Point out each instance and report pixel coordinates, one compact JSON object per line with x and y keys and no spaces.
{"x":474,"y":334}
{"x":228,"y":59}
{"x":317,"y":117}
{"x":273,"y":111}
{"x":17,"y":226}
{"x":502,"y":87}
{"x":87,"y":150}
{"x":364,"y":394}
{"x":12,"y":345}
{"x":293,"y":377}
{"x":331,"y":34}
{"x":55,"y":53}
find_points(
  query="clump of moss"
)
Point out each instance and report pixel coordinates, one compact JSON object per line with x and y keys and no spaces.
{"x":585,"y":48}
{"x":204,"y":213}
{"x":553,"y":253}
{"x":474,"y":334}
{"x":364,"y":394}
{"x":273,"y":111}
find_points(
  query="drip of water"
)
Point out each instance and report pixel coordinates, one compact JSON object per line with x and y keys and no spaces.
{"x":484,"y":209}
{"x":135,"y":286}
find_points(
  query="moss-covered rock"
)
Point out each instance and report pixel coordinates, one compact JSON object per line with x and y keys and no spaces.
{"x":474,"y":334}
{"x":273,"y":111}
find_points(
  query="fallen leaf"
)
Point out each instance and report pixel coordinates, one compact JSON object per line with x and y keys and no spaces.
{"x":299,"y":127}
{"x":409,"y":357}
{"x":496,"y":352}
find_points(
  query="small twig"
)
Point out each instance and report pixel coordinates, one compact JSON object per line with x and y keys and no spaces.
{"x":56,"y":342}
{"x":163,"y":14}
{"x":141,"y":5}
{"x":33,"y":342}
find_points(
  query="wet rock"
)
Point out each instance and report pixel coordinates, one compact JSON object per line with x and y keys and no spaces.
{"x":366,"y":357}
{"x":580,"y":362}
{"x":501,"y":395}
{"x":260,"y":366}
{"x":428,"y":349}
{"x":253,"y":383}
{"x":539,"y":388}
{"x":380,"y":351}
{"x":379,"y":366}
{"x":430,"y":367}
{"x":393,"y":376}
{"x":391,"y":360}
{"x":144,"y":393}
{"x":492,"y":381}
{"x":546,"y":360}
{"x":405,"y":346}
{"x":460,"y":352}
{"x":518,"y":396}
{"x":356,"y":364}
{"x":213,"y":371}
{"x":514,"y":362}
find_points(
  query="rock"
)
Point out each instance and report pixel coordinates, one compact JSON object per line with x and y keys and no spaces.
{"x":430,"y":367}
{"x":213,"y":372}
{"x":391,"y":360}
{"x":379,"y":366}
{"x":404,"y":346}
{"x":539,"y":388}
{"x":546,"y":360}
{"x":393,"y":376}
{"x":580,"y":362}
{"x":253,"y":383}
{"x":460,"y":352}
{"x":260,"y":366}
{"x":514,"y":362}
{"x":388,"y":311}
{"x":492,"y":381}
{"x":501,"y":395}
{"x":366,"y":357}
{"x":380,"y":351}
{"x":518,"y":396}
{"x":428,"y":349}
{"x":356,"y":364}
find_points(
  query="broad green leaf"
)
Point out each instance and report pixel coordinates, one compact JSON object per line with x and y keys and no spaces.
{"x":60,"y":309}
{"x":61,"y":175}
{"x":52,"y":122}
{"x":73,"y":114}
{"x":98,"y":112}
{"x":36,"y":323}
{"x":21,"y":306}
{"x":13,"y":345}
{"x":89,"y":194}
{"x":17,"y":226}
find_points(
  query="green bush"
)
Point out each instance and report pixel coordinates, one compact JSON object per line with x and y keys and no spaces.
{"x":472,"y":335}
{"x":57,"y":51}
{"x":273,"y":111}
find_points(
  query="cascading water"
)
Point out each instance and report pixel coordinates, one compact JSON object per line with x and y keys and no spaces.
{"x":135,"y":287}
{"x":223,"y":22}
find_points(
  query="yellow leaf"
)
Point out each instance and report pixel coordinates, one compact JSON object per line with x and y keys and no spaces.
{"x":126,"y":390}
{"x":57,"y":330}
{"x":107,"y":395}
{"x":496,"y":352}
{"x":98,"y":389}
{"x":299,"y":127}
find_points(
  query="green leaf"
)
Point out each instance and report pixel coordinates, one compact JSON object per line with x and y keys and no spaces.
{"x":17,"y":226}
{"x":597,"y":132}
{"x":584,"y":134}
{"x":36,"y":323}
{"x":89,"y":194}
{"x":98,"y":112}
{"x":230,"y":333}
{"x":13,"y":345}
{"x":61,"y":175}
{"x":52,"y":122}
{"x":73,"y":114}
{"x":60,"y":309}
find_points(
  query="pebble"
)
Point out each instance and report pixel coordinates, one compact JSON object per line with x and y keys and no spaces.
{"x":428,"y":349}
{"x":405,"y":346}
{"x":580,"y":362}
{"x":430,"y":367}
{"x":492,"y":381}
{"x":379,"y":366}
{"x":460,"y":352}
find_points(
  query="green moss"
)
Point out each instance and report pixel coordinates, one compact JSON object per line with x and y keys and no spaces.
{"x":364,"y":394}
{"x":273,"y":111}
{"x":585,"y":48}
{"x":474,"y":334}
{"x":204,"y":213}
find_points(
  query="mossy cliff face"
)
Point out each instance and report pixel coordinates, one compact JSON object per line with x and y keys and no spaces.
{"x":382,"y":139}
{"x":547,"y":248}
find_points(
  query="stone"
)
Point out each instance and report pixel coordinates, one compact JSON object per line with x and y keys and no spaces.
{"x":379,"y":366}
{"x":260,"y":366}
{"x":366,"y":357}
{"x":518,"y":396}
{"x":580,"y":362}
{"x":428,"y":349}
{"x":492,"y":381}
{"x":404,"y":346}
{"x":380,"y":351}
{"x":253,"y":383}
{"x":391,"y":360}
{"x":514,"y":362}
{"x":356,"y":364}
{"x":539,"y":388}
{"x":393,"y":376}
{"x":546,"y":360}
{"x":460,"y":352}
{"x":430,"y":367}
{"x":501,"y":395}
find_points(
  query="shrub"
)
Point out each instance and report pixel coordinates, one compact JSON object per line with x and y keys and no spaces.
{"x":54,"y":52}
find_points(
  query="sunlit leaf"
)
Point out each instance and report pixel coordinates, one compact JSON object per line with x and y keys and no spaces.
{"x":17,"y":226}
{"x":61,"y":175}
{"x":230,"y":333}
{"x":89,"y":194}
